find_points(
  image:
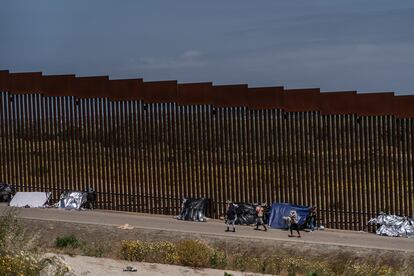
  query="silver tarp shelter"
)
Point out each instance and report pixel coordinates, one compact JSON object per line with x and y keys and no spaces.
{"x":72,"y":200}
{"x":394,"y":226}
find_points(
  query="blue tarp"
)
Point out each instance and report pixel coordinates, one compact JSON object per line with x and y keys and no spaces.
{"x":280,"y":210}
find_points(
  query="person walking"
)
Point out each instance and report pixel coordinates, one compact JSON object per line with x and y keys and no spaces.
{"x":294,"y":223}
{"x":231,"y":216}
{"x":259,"y":218}
{"x":311,"y":219}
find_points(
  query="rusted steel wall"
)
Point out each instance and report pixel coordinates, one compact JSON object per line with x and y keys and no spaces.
{"x":145,"y":145}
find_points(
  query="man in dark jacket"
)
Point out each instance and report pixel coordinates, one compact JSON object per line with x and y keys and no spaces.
{"x":231,"y":216}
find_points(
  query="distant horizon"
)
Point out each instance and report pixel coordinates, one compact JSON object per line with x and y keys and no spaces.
{"x":331,"y":45}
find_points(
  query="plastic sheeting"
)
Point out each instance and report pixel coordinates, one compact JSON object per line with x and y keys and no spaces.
{"x":7,"y":192}
{"x":393,"y":226}
{"x":279,"y":211}
{"x":73,"y":200}
{"x":193,"y":209}
{"x":30,"y":199}
{"x":245,"y":213}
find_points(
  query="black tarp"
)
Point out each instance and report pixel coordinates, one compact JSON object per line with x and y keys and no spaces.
{"x":193,"y":209}
{"x":7,"y":192}
{"x":246,"y":213}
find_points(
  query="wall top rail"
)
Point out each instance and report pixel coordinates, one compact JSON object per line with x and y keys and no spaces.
{"x":205,"y":93}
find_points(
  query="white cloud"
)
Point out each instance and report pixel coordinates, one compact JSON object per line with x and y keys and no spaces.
{"x":191,"y":54}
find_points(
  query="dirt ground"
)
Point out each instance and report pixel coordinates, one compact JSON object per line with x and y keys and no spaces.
{"x":110,"y":237}
{"x":92,"y":266}
{"x":100,"y":231}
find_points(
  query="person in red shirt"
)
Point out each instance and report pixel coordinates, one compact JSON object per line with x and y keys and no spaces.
{"x":259,"y":218}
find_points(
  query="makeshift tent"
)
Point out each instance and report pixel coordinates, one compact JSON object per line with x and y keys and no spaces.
{"x":72,"y":200}
{"x":7,"y":192}
{"x":246,"y":213}
{"x":279,"y":211}
{"x":393,"y":226}
{"x":30,"y":199}
{"x":193,"y":209}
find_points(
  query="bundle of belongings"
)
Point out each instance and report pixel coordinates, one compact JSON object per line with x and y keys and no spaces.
{"x":7,"y":192}
{"x":77,"y":200}
{"x":31,"y":199}
{"x":193,"y":209}
{"x":393,"y":226}
{"x":279,"y":215}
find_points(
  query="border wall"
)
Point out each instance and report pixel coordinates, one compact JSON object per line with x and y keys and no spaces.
{"x":145,"y":145}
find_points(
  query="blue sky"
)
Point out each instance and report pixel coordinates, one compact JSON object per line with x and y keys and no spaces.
{"x":336,"y":45}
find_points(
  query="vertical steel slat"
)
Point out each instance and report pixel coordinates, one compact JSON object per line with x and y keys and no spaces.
{"x":178,"y":151}
{"x":46,"y":138}
{"x":19,"y":137}
{"x":162,"y":163}
{"x":52,"y":146}
{"x":376,"y":164}
{"x":170,"y":182}
{"x":157,"y":134}
{"x":334,"y":170}
{"x":209,"y":117}
{"x":381,"y":163}
{"x":124,"y":194}
{"x":393,"y":191}
{"x":101,"y":153}
{"x":88,"y":142}
{"x":411,"y":166}
{"x":43,"y":146}
{"x":95,"y":151}
{"x":2,"y":136}
{"x":273,"y":169}
{"x":266,"y":148}
{"x":389,"y":188}
{"x":299,"y":191}
{"x":25,"y":149}
{"x":398,"y":167}
{"x":237,"y":157}
{"x":244,"y":154}
{"x":200,"y":160}
{"x":141,"y":158}
{"x":136,"y":180}
{"x":14,"y":144}
{"x":174,"y":154}
{"x":190,"y":150}
{"x":343,"y":172}
{"x":404,"y":176}
{"x":13,"y":147}
{"x":7,"y":137}
{"x":227,"y":152}
{"x":111,"y":155}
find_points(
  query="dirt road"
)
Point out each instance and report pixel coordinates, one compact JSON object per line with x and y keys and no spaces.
{"x":215,"y":228}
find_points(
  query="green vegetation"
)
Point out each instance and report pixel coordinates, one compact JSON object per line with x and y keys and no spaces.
{"x":18,"y":250}
{"x":196,"y":253}
{"x":66,"y":241}
{"x":69,"y":244}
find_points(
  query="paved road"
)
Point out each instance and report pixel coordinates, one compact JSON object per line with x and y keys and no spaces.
{"x":215,"y":227}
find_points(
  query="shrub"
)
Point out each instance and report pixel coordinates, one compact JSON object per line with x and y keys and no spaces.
{"x":154,"y":252}
{"x":67,"y":241}
{"x":194,"y":253}
{"x":94,"y":250}
{"x":368,"y":269}
{"x":20,"y":264}
{"x":218,"y":259}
